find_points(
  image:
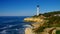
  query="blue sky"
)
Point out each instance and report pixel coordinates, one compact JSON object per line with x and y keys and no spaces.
{"x":27,"y":7}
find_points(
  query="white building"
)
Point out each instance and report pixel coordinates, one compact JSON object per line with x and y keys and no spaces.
{"x":38,"y":10}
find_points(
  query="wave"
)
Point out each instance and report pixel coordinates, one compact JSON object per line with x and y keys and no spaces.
{"x":12,"y":24}
{"x":3,"y":32}
{"x":7,"y":26}
{"x":28,"y":26}
{"x":13,"y":31}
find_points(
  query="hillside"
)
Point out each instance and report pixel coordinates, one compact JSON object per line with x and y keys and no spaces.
{"x":53,"y":17}
{"x":48,"y":21}
{"x":53,"y":20}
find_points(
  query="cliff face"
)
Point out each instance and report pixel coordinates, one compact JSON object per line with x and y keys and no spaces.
{"x":33,"y":19}
{"x":29,"y":31}
{"x":43,"y":21}
{"x":38,"y":22}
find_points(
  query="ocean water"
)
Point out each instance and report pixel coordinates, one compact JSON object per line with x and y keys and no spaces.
{"x":12,"y":24}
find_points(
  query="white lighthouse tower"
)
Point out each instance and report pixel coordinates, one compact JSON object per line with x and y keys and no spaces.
{"x":37,"y":10}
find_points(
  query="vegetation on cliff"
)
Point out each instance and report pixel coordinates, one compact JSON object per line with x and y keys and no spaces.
{"x":48,"y":14}
{"x":51,"y":13}
{"x":53,"y":20}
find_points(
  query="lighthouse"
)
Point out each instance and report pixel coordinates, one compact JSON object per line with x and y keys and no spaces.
{"x":37,"y":10}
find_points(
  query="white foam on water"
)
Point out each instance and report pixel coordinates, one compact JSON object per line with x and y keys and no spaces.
{"x":11,"y":25}
{"x":8,"y":26}
{"x":28,"y":26}
{"x":16,"y":29}
{"x":3,"y":27}
{"x":3,"y":32}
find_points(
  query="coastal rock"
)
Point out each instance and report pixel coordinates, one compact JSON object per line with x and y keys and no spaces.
{"x":29,"y":29}
{"x":38,"y":22}
{"x":33,"y":19}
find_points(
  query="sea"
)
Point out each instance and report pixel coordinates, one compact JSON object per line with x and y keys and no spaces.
{"x":13,"y":24}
